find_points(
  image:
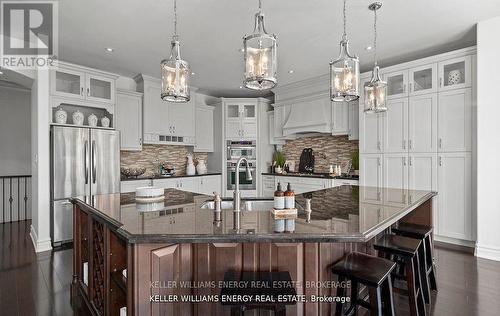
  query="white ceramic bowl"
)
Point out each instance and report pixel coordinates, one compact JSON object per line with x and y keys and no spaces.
{"x":149,"y":192}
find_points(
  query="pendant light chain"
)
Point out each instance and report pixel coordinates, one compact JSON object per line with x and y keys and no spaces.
{"x":375,"y":38}
{"x":345,"y":20}
{"x":175,"y":19}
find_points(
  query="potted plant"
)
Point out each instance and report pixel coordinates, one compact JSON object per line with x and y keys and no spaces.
{"x":355,"y":163}
{"x":279,"y":161}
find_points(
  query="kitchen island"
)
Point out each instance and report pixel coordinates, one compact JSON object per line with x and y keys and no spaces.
{"x":126,"y":253}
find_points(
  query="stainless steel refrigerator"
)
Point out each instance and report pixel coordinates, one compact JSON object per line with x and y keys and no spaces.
{"x":84,"y":161}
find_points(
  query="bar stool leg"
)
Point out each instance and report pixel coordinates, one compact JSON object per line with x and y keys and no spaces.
{"x":423,"y":273}
{"x":387,"y":294}
{"x":418,"y":282}
{"x":412,"y":292}
{"x":431,"y":265}
{"x":375,"y":301}
{"x":236,"y":311}
{"x":354,"y":298}
{"x":340,"y":293}
{"x":280,"y":310}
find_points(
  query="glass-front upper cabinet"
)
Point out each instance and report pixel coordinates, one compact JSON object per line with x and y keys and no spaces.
{"x":68,"y":83}
{"x":100,"y":89}
{"x":397,"y":83}
{"x":249,"y":112}
{"x":233,"y":111}
{"x":423,"y":79}
{"x":241,"y":111}
{"x":455,"y":73}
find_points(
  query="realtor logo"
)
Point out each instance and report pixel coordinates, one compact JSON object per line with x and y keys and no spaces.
{"x":28,"y":33}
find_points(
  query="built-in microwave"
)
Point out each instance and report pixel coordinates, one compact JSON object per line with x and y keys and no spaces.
{"x":244,"y":183}
{"x":237,"y":149}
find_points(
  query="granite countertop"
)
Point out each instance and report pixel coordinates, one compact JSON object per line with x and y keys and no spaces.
{"x":311,"y":175}
{"x":168,"y":177}
{"x":338,"y":215}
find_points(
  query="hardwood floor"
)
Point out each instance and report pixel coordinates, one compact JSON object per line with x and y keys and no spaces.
{"x":40,"y":285}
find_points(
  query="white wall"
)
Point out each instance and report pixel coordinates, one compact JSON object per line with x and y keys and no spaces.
{"x":15,"y":131}
{"x":488,"y":143}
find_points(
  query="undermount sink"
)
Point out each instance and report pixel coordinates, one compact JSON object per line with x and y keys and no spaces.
{"x":247,"y":205}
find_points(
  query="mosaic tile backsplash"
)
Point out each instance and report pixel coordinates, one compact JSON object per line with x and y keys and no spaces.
{"x":150,"y":154}
{"x":328,"y":150}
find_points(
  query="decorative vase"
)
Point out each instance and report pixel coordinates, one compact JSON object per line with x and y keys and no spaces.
{"x":61,"y":116}
{"x":201,"y":167}
{"x":78,"y":118}
{"x":92,"y":119}
{"x":105,"y":121}
{"x":190,"y":168}
{"x":278,"y":169}
{"x":454,"y":77}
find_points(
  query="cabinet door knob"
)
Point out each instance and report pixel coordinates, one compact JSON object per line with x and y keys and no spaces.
{"x":441,"y":81}
{"x":88,"y":92}
{"x":440,"y":160}
{"x":411,"y":86}
{"x":440,"y":143}
{"x":410,"y":144}
{"x":81,"y":92}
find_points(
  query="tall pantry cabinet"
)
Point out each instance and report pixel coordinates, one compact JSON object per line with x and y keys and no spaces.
{"x":424,"y":140}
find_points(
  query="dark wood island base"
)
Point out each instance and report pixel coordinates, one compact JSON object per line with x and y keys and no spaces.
{"x":155,"y":271}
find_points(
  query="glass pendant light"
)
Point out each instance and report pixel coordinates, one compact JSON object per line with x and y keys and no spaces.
{"x":260,"y":52}
{"x":344,"y":72}
{"x":175,"y":71}
{"x":376,"y":89}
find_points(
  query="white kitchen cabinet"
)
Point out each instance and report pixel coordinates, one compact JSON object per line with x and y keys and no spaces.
{"x":165,"y":122}
{"x":209,"y":184}
{"x":397,"y":83}
{"x":422,"y":172}
{"x":100,"y":88}
{"x":279,"y":120}
{"x":395,"y":176}
{"x":268,"y":186}
{"x":353,"y":132}
{"x":82,"y":83}
{"x":273,"y":140}
{"x":455,"y":195}
{"x":423,"y":79}
{"x":340,"y":118}
{"x":371,"y":176}
{"x":422,"y":123}
{"x":339,"y":182}
{"x":371,"y":129}
{"x":241,"y":121}
{"x":128,"y":119}
{"x":302,"y":185}
{"x":131,"y":185}
{"x":188,"y":184}
{"x":455,"y":120}
{"x":204,"y":130}
{"x":370,"y":215}
{"x":396,"y":126}
{"x":168,"y":183}
{"x":455,"y":73}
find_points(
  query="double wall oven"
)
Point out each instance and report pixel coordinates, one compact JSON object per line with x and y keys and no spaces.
{"x":235,"y":150}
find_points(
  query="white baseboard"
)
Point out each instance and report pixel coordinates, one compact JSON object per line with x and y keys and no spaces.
{"x":455,"y":241}
{"x":40,"y":245}
{"x":491,"y":253}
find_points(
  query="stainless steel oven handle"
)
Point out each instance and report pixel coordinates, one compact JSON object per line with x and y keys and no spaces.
{"x":86,"y":160}
{"x":94,"y":167}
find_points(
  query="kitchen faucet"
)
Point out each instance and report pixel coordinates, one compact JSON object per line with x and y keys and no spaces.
{"x":237,"y":194}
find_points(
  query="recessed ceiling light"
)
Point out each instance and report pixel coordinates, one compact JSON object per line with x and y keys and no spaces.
{"x":193,"y":73}
{"x":290,"y":71}
{"x":368,"y":48}
{"x":241,"y":87}
{"x":1,"y":72}
{"x":109,"y":49}
{"x":241,"y":50}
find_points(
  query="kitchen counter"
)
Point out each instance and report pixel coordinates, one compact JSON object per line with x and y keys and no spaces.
{"x":169,"y":177}
{"x":177,"y":241}
{"x":311,"y":175}
{"x":338,"y":215}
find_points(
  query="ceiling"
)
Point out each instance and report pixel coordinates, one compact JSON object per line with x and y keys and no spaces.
{"x":211,"y":34}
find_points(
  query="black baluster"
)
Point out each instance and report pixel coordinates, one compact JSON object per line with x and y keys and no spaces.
{"x":10,"y":198}
{"x":25,"y":197}
{"x":18,"y":204}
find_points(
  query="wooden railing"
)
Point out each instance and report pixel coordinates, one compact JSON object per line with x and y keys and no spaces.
{"x":15,"y":198}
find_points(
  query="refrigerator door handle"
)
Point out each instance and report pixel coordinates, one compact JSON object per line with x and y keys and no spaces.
{"x":94,"y":171}
{"x":86,"y":161}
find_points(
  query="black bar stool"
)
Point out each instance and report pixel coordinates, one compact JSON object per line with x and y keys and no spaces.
{"x":404,"y":251}
{"x":375,"y":274}
{"x":423,"y":233}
